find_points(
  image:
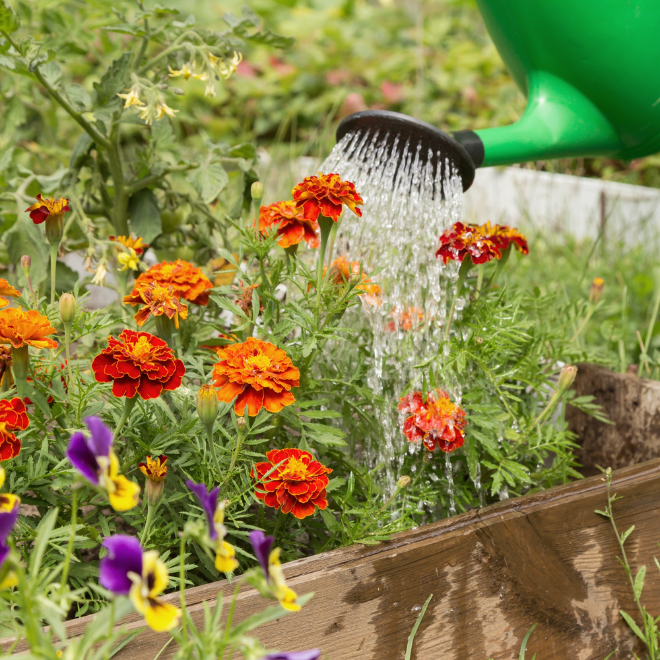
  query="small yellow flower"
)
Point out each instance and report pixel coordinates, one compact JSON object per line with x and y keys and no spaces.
{"x":225,"y":557}
{"x":187,"y":73}
{"x":210,"y":88}
{"x":99,"y":274}
{"x":226,"y":67}
{"x":163,"y":109}
{"x":284,"y":594}
{"x":8,"y":502}
{"x":147,"y":115}
{"x":123,"y":494}
{"x":128,"y":260}
{"x":144,"y":594}
{"x":132,"y":98}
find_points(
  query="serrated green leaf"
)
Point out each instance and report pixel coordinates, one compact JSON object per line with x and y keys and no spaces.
{"x":114,"y":80}
{"x":209,"y":181}
{"x":78,"y":96}
{"x":9,"y":19}
{"x":52,"y":73}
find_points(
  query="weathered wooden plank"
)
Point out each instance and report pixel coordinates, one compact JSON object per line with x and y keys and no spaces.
{"x":545,"y":558}
{"x":631,"y":403}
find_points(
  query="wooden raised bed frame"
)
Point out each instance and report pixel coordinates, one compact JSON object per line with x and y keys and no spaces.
{"x":545,"y":558}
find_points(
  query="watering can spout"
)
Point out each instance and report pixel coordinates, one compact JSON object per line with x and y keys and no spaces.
{"x":559,"y":122}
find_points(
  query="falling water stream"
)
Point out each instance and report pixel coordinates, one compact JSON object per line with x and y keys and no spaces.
{"x":408,"y":203}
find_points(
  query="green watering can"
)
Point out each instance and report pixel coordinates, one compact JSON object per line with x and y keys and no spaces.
{"x":590,"y":70}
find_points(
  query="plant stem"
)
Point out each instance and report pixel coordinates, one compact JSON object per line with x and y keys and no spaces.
{"x":67,"y":348}
{"x":649,"y":333}
{"x":182,"y":586}
{"x":214,"y":453}
{"x":239,"y":442}
{"x":128,"y":406}
{"x":120,"y":202}
{"x":144,"y":537}
{"x":325,"y":225}
{"x":53,"y":271}
{"x":164,"y":329}
{"x":72,"y":537}
{"x":462,"y":275}
{"x":20,"y":359}
{"x":281,"y":517}
{"x":333,"y":238}
{"x":582,"y":325}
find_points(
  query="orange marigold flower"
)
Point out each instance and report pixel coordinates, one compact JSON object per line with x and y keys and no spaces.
{"x":187,"y":280}
{"x":47,"y":207}
{"x":462,"y":239}
{"x":6,"y":289}
{"x":13,"y":414}
{"x":129,"y":242}
{"x":341,"y":271}
{"x":326,"y":195}
{"x":5,"y":364}
{"x":503,"y":236}
{"x":157,"y":299}
{"x":257,"y":374}
{"x":292,"y":225}
{"x":10,"y":445}
{"x":408,"y":319}
{"x":20,"y":328}
{"x":137,"y":362}
{"x":296,"y":486}
{"x":436,"y":422}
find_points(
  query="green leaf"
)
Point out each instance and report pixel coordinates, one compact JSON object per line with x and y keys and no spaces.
{"x":523,"y":647}
{"x":329,"y":520}
{"x":44,"y":530}
{"x":78,"y":96}
{"x":413,"y":632}
{"x":27,"y":238}
{"x":209,"y":181}
{"x":633,"y":626}
{"x":9,"y":19}
{"x":52,"y":73}
{"x":114,"y":80}
{"x":626,"y":534}
{"x":80,"y":150}
{"x":639,"y":582}
{"x":145,"y":215}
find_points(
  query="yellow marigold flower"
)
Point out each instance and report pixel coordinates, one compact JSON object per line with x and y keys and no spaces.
{"x":157,"y":299}
{"x":155,"y":470}
{"x":187,"y":73}
{"x":147,"y":587}
{"x":132,"y":98}
{"x":128,"y":260}
{"x":6,"y":289}
{"x":129,"y":242}
{"x":284,"y":594}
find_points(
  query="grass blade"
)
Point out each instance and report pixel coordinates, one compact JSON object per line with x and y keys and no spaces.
{"x":415,"y":628}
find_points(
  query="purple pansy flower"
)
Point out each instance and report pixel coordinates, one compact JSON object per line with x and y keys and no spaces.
{"x":312,"y":654}
{"x":7,"y":522}
{"x":208,"y":500}
{"x":124,"y":557}
{"x":83,"y":453}
{"x":262,"y":545}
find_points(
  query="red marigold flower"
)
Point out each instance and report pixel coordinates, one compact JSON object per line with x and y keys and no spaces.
{"x":296,"y":486}
{"x":292,"y":225}
{"x":6,"y":289}
{"x":137,"y":362}
{"x":10,"y":445}
{"x":156,"y":299}
{"x":326,"y":195}
{"x":187,"y":280}
{"x":13,"y":414}
{"x":129,"y":242}
{"x":462,"y":239}
{"x":257,"y":374}
{"x":47,"y":207}
{"x":436,"y":422}
{"x":503,"y":236}
{"x":20,"y":328}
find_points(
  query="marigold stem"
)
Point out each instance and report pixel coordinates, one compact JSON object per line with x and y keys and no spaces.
{"x":128,"y":407}
{"x":67,"y":343}
{"x":182,"y":585}
{"x":239,"y":442}
{"x":20,"y":360}
{"x":53,"y":271}
{"x":144,"y":537}
{"x":462,"y":275}
{"x":214,"y":453}
{"x":325,"y":225}
{"x":164,"y":329}
{"x":72,"y":537}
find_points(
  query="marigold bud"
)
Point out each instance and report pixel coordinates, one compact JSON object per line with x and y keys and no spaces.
{"x":596,"y":290}
{"x":403,"y":482}
{"x":207,"y":405}
{"x":257,"y":191}
{"x":26,"y":262}
{"x":240,"y":422}
{"x":68,"y":306}
{"x":567,"y":376}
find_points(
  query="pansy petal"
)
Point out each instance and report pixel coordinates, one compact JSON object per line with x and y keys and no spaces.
{"x":124,"y":557}
{"x":82,"y":458}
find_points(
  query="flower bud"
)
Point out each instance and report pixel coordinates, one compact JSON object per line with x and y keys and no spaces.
{"x":55,"y":228}
{"x":155,"y":470}
{"x":257,"y":191}
{"x":26,"y":262}
{"x":403,"y":482}
{"x":68,"y":307}
{"x":566,"y":377}
{"x":207,"y":405}
{"x":596,"y":290}
{"x":241,"y":423}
